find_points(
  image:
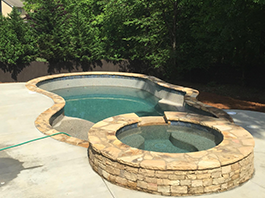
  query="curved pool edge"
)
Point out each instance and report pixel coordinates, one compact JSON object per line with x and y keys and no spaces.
{"x":218,"y":169}
{"x":45,"y":119}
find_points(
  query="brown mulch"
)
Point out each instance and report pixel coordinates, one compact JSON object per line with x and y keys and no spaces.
{"x":229,"y":96}
{"x":226,"y":102}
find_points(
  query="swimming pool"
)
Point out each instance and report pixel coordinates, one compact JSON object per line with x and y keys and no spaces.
{"x":100,"y":102}
{"x":170,"y":98}
{"x":219,"y":168}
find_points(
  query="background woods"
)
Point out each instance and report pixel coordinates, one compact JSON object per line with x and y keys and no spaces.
{"x":202,"y":41}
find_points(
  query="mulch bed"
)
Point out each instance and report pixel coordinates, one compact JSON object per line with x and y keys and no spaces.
{"x":225,"y":102}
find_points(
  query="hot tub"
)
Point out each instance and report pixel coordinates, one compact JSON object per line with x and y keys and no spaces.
{"x":225,"y":165}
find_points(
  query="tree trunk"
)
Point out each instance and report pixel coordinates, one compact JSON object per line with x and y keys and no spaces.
{"x":174,"y":43}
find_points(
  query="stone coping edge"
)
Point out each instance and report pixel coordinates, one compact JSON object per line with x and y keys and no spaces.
{"x":44,"y":120}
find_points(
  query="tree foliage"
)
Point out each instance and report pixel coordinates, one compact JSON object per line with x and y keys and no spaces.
{"x":17,"y":45}
{"x":230,"y":33}
{"x":85,"y":40}
{"x":183,"y":35}
{"x":210,"y":38}
{"x":50,"y":24}
{"x":142,"y":30}
{"x":67,"y":32}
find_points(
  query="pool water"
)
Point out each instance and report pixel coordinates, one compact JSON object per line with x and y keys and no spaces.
{"x":168,"y":138}
{"x":97,"y":103}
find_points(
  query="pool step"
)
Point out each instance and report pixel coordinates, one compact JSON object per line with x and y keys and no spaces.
{"x":76,"y":127}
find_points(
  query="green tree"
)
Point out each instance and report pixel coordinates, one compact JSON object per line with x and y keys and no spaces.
{"x":172,"y":36}
{"x":229,"y":35}
{"x":149,"y":31}
{"x":137,"y":31}
{"x":259,"y":1}
{"x":17,"y":45}
{"x":50,"y":23}
{"x":85,"y":37}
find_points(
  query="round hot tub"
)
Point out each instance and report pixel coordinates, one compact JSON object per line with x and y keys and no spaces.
{"x":176,"y":137}
{"x":207,"y":155}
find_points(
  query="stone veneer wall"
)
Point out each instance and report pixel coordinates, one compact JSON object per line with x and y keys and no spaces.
{"x":172,"y":182}
{"x":218,"y":169}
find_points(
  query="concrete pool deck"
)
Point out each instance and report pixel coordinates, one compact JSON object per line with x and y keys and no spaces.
{"x":49,"y":168}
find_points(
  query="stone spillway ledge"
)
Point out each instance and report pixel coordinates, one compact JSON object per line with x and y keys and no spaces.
{"x":221,"y":168}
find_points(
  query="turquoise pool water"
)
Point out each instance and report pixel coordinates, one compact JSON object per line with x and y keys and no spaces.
{"x":97,"y":103}
{"x":169,"y":138}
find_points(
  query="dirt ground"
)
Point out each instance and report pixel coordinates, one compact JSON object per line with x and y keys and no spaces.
{"x":226,"y":102}
{"x":230,"y":96}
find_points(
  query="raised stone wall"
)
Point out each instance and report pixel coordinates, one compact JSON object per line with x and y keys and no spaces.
{"x":176,"y":174}
{"x":171,"y":182}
